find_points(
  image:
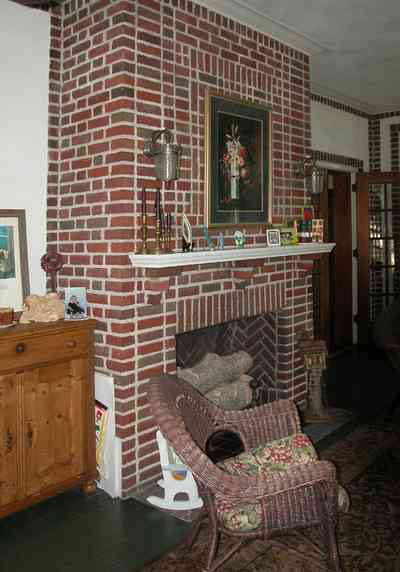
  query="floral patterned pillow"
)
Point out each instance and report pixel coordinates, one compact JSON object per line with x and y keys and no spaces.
{"x":275,"y":457}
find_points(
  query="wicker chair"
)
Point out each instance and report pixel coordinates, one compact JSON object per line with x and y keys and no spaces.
{"x":303,"y":495}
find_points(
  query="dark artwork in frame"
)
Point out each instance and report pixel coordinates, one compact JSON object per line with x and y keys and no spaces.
{"x":238,"y":161}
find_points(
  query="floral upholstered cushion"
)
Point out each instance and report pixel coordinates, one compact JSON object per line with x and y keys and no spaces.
{"x":275,"y":457}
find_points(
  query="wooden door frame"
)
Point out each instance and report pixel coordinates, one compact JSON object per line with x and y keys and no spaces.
{"x":363,"y":181}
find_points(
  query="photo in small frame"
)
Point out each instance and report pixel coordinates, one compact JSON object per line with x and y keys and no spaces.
{"x":75,"y":303}
{"x":318,"y":230}
{"x":288,"y":236}
{"x":273,"y":237}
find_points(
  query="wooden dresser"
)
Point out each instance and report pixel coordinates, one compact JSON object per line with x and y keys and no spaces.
{"x":47,"y":426}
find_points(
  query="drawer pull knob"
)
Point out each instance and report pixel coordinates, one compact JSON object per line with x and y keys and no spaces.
{"x":71,"y":344}
{"x":20,"y":348}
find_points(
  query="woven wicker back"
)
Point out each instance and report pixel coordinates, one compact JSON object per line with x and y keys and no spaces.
{"x":175,"y":402}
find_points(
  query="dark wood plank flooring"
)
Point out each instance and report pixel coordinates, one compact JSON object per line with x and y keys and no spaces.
{"x":76,"y":533}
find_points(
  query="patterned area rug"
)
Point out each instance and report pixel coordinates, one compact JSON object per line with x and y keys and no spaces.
{"x":368,"y":462}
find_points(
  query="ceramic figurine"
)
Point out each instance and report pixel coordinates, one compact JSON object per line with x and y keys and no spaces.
{"x":208,"y":239}
{"x":187,"y":242}
{"x":221,"y":241}
{"x":239,"y":238}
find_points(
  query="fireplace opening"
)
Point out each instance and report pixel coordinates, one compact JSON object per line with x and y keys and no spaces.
{"x":251,"y":344}
{"x":234,"y":365}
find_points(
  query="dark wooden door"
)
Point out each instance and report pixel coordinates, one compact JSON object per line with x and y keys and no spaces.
{"x":341,"y":261}
{"x":378,"y":230}
{"x":336,"y":284}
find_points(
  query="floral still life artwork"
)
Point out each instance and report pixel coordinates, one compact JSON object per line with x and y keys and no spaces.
{"x":238,"y":165}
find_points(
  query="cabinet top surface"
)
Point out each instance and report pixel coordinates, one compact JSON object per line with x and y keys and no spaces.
{"x":46,"y":328}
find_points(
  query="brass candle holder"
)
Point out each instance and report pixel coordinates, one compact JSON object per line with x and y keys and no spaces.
{"x":159,"y":238}
{"x":143,"y":249}
{"x":168,"y":233}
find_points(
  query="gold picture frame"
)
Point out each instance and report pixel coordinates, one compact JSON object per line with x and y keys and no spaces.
{"x":238,"y":161}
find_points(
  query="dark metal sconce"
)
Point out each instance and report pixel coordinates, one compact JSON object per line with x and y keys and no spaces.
{"x":312,"y":173}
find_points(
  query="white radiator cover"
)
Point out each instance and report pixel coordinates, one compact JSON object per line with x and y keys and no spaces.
{"x":111,"y":481}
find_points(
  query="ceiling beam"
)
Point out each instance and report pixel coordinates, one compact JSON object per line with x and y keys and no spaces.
{"x":34,"y":3}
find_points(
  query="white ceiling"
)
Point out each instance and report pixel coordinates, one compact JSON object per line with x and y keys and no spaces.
{"x":354,"y":44}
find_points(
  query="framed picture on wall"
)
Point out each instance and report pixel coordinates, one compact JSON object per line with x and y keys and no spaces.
{"x":14,"y":270}
{"x":238,"y":161}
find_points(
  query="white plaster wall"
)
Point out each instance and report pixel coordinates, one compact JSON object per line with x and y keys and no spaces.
{"x":339,"y":132}
{"x":24,"y":70}
{"x":342,"y":133}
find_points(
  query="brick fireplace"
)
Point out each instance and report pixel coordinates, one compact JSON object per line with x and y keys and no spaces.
{"x":120,"y":69}
{"x":177,"y":299}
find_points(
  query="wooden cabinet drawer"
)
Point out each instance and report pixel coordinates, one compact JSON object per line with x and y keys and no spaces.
{"x":28,"y":351}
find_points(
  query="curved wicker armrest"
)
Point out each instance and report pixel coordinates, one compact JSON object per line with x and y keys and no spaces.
{"x":245,"y":487}
{"x":248,"y":488}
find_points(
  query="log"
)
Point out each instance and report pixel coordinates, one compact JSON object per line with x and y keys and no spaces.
{"x":214,"y":370}
{"x":234,"y":395}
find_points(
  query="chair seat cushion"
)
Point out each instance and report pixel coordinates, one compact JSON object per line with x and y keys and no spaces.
{"x":273,"y":458}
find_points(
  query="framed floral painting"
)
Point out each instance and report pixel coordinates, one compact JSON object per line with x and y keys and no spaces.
{"x":238,"y":161}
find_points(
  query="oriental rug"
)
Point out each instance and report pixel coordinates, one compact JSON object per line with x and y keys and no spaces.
{"x":368,"y":463}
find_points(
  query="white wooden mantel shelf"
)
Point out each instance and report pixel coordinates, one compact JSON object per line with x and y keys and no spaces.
{"x":199,"y":257}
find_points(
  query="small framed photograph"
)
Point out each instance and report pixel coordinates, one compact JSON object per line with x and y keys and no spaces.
{"x":288,"y":236}
{"x":75,"y":303}
{"x":318,"y":230}
{"x":273,"y":237}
